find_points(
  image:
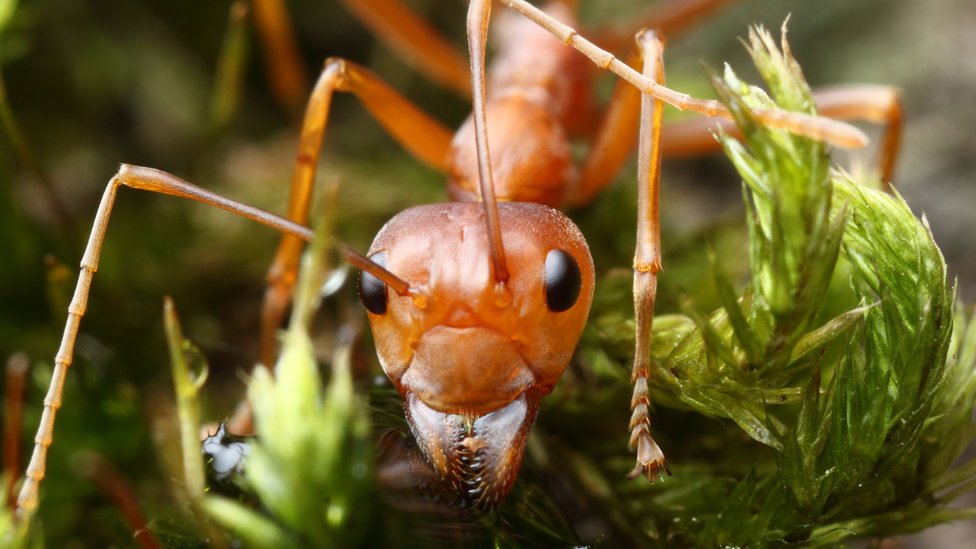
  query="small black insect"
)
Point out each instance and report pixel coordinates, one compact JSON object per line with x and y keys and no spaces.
{"x":225,"y":456}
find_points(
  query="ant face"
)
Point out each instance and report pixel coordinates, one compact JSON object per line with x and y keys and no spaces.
{"x":471,"y":357}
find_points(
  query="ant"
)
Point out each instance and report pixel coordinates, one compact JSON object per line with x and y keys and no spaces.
{"x":477,"y":305}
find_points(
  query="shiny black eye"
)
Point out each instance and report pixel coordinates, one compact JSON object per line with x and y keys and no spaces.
{"x":562,"y":281}
{"x":372,"y":291}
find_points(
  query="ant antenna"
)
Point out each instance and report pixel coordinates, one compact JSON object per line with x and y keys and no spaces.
{"x":479,"y":13}
{"x":363,"y":263}
{"x":834,"y":132}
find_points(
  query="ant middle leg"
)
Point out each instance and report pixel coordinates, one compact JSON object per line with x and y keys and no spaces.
{"x":415,"y":41}
{"x":612,"y":143}
{"x":287,"y":75}
{"x":421,"y":135}
{"x":647,"y":262}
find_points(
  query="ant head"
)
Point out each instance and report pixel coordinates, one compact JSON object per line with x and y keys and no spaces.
{"x":472,"y":356}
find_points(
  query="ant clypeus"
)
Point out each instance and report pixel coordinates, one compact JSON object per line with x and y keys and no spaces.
{"x":476,"y":307}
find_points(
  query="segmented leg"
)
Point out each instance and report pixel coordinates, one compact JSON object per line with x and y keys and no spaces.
{"x":858,"y":102}
{"x":120,"y":491}
{"x":422,"y":136}
{"x":617,"y":132}
{"x":873,"y":103}
{"x":611,"y":145}
{"x":647,"y":262}
{"x":415,"y":41}
{"x":13,"y":412}
{"x":146,"y":179}
{"x":286,"y":72}
{"x":823,"y":129}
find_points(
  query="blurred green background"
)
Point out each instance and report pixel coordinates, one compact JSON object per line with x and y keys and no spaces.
{"x":99,"y":83}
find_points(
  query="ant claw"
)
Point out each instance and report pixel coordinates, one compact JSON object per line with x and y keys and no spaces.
{"x":650,"y":460}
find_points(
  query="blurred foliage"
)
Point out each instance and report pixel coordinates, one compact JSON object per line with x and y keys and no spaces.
{"x":310,"y":466}
{"x":846,"y":365}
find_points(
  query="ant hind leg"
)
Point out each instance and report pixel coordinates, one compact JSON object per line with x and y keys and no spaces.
{"x":876,"y":104}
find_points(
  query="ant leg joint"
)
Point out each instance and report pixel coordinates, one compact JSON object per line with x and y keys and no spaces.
{"x":651,"y":36}
{"x":648,"y":267}
{"x":336,"y":64}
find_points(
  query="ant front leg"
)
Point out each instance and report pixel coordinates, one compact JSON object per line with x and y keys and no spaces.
{"x":419,"y":134}
{"x":647,"y":262}
{"x":146,"y":179}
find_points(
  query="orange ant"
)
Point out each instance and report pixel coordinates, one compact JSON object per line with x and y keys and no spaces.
{"x":476,"y":307}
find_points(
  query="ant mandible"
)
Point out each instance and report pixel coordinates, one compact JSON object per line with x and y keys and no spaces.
{"x":488,"y":299}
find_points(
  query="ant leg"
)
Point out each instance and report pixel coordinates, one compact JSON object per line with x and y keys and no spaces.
{"x":410,"y":36}
{"x":289,"y":81}
{"x":422,"y":136}
{"x":871,"y":103}
{"x":157,"y":181}
{"x":13,"y":412}
{"x":647,"y":263}
{"x":617,"y":132}
{"x":138,"y":178}
{"x":823,"y":129}
{"x":110,"y":480}
{"x":874,"y":103}
{"x":612,"y":143}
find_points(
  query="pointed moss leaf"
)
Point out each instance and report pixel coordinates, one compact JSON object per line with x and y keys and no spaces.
{"x":823,"y":335}
{"x":780,"y":70}
{"x":798,"y":464}
{"x":944,"y":440}
{"x":907,"y":335}
{"x":713,"y":341}
{"x":187,"y":384}
{"x":861,"y":416}
{"x":737,"y":318}
{"x":910,"y":518}
{"x":7,"y":10}
{"x":14,"y":533}
{"x":793,"y":246}
{"x":250,"y":526}
{"x":311,"y":463}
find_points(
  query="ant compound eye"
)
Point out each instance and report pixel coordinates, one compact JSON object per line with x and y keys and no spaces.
{"x":562,"y":281}
{"x":372,"y":291}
